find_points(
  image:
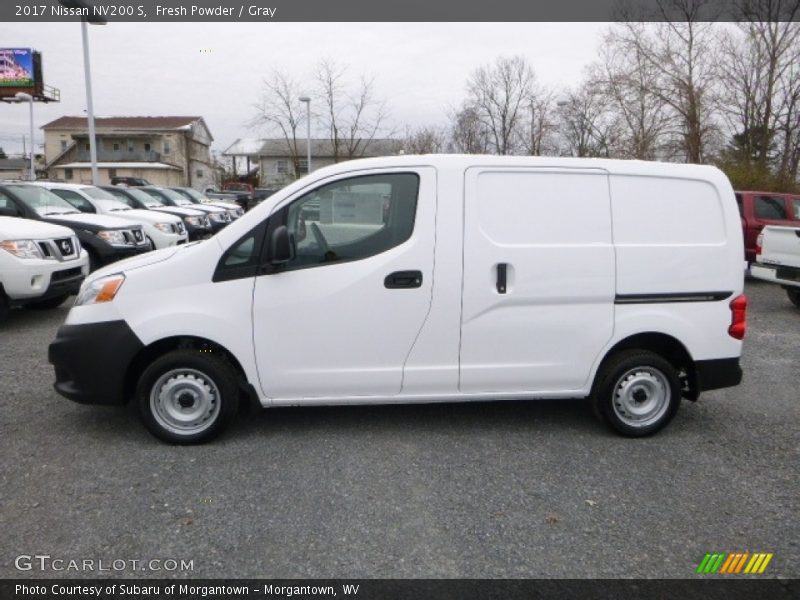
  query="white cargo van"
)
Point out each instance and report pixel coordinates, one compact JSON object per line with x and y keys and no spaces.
{"x":427,"y":279}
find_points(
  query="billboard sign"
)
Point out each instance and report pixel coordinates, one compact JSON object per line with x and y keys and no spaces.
{"x":16,"y":68}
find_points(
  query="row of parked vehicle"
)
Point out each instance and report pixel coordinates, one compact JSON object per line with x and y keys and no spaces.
{"x":53,"y":234}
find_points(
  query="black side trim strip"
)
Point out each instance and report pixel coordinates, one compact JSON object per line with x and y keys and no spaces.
{"x":672,"y":297}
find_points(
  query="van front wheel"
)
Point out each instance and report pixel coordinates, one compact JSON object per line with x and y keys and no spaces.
{"x":188,"y":396}
{"x":637,"y":393}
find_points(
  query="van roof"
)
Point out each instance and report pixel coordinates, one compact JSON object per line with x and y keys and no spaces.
{"x":462,"y":161}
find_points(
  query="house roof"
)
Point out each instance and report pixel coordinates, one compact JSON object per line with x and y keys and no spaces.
{"x":321,"y":148}
{"x":127,"y":123}
{"x":13,"y":164}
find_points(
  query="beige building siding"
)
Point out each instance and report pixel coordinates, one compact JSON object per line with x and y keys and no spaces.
{"x":163,"y":177}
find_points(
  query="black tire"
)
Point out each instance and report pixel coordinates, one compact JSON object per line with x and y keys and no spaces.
{"x":794,"y":296}
{"x":54,"y":302}
{"x":205,"y":382}
{"x":5,"y":306}
{"x":633,"y":373}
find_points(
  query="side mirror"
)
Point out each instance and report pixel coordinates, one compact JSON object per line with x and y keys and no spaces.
{"x":280,"y":246}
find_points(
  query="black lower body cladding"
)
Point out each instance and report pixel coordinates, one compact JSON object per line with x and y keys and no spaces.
{"x":91,"y":360}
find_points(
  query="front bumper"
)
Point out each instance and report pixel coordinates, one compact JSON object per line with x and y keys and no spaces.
{"x":92,"y":359}
{"x":31,"y":285}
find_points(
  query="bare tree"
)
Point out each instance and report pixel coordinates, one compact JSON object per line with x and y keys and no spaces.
{"x":425,"y":140}
{"x":681,"y":49}
{"x":498,"y":94}
{"x":640,"y":119}
{"x":538,"y":122}
{"x":760,"y":87}
{"x":281,"y":111}
{"x":586,"y":122}
{"x":468,"y":134}
{"x":353,"y":113}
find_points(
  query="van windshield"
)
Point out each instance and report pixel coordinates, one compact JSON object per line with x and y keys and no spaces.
{"x":43,"y":201}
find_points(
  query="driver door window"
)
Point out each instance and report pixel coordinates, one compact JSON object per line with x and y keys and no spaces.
{"x":352,"y":219}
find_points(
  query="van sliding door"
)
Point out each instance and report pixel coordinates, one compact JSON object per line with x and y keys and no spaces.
{"x":538,"y":284}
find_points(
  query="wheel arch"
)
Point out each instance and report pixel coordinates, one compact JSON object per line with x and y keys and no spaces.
{"x":152,"y":351}
{"x":666,"y":346}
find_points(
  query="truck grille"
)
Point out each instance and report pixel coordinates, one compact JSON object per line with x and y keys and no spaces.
{"x":60,"y":248}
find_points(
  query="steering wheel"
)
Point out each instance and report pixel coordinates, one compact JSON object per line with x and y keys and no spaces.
{"x":321,"y":241}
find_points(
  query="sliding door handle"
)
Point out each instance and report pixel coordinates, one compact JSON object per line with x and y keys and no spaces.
{"x":501,"y":278}
{"x":403,"y":279}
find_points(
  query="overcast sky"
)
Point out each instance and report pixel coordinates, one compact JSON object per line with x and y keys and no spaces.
{"x":215,"y":70}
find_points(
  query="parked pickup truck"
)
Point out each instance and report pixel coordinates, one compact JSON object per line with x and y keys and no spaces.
{"x":759,"y":209}
{"x":41,"y":264}
{"x":778,"y":259}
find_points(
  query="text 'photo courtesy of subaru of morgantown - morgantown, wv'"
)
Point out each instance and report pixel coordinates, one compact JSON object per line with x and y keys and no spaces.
{"x":435,"y":278}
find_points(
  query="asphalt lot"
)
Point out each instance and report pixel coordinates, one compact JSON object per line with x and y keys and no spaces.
{"x":520,"y":489}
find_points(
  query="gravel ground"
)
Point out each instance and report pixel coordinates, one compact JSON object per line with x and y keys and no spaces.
{"x":488,"y":490}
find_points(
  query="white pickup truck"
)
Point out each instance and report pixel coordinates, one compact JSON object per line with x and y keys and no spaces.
{"x":778,"y":259}
{"x":41,"y":264}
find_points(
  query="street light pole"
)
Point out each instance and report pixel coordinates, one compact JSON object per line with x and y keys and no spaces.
{"x":87,"y":71}
{"x":307,"y":101}
{"x":23,"y":97}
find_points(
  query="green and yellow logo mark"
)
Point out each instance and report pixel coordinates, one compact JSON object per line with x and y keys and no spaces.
{"x":734,"y":563}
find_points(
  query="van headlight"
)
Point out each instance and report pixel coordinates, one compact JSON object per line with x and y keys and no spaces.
{"x":100,"y":290}
{"x":22,"y":248}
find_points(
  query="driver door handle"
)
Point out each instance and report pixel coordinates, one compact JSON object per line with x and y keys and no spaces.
{"x":403,"y":279}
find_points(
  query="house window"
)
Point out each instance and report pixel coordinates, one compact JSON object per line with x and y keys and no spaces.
{"x":199,"y":174}
{"x":63,"y":145}
{"x":302,"y":165}
{"x":282,"y":167}
{"x":112,"y":172}
{"x":87,"y":145}
{"x":116,"y":147}
{"x":67,"y":174}
{"x":147,"y":147}
{"x":166,"y":147}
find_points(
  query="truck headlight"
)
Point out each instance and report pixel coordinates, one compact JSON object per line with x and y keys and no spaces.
{"x":194,"y":221}
{"x":115,"y":238}
{"x":22,"y":248}
{"x":218,"y":217}
{"x":100,"y":290}
{"x":164,"y":227}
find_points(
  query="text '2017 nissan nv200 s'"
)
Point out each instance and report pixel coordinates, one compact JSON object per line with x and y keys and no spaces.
{"x":427,"y":279}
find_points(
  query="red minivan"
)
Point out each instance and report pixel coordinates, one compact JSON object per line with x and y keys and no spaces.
{"x":765,"y":208}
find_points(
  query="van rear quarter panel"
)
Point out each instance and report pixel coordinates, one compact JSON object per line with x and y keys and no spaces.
{"x":674,"y":235}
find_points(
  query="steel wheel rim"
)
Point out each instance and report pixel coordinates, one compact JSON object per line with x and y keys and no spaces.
{"x":185,"y":401}
{"x":641,"y":396}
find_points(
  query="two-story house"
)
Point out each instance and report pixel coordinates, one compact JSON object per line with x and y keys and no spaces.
{"x":164,"y":150}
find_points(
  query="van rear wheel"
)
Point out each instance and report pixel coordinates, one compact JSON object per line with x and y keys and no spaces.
{"x":637,"y":393}
{"x":794,"y":296}
{"x":188,"y":396}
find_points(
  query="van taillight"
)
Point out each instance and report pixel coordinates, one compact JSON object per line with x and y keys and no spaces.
{"x":738,"y":321}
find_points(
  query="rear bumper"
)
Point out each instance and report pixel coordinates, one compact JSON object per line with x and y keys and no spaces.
{"x":770,"y":273}
{"x":92,"y":359}
{"x":718,"y":373}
